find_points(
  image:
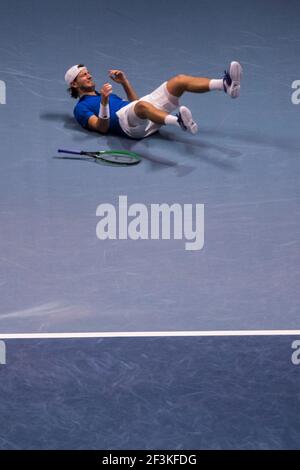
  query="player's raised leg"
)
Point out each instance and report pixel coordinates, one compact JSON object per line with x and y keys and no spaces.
{"x":230,"y":83}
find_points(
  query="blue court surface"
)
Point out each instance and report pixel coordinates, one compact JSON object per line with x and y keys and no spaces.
{"x":205,"y":360}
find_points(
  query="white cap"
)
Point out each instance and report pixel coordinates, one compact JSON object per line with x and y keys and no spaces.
{"x":72,"y":73}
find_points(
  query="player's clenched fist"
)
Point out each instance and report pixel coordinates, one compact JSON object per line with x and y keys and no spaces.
{"x":117,"y":76}
{"x":106,"y":90}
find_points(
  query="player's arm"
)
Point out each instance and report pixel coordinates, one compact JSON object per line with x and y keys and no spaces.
{"x":130,"y":92}
{"x":119,"y":77}
{"x":101,"y":123}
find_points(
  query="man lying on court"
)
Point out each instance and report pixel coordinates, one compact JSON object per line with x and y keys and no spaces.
{"x":137,"y":118}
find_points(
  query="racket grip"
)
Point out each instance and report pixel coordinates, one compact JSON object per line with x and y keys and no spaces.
{"x":69,"y":151}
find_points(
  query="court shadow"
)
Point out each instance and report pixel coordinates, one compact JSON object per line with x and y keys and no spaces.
{"x":157,"y":160}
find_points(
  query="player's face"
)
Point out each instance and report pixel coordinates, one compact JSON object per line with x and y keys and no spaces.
{"x":84,"y":80}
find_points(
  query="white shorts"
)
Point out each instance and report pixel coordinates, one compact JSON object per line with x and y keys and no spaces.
{"x":138,"y":128}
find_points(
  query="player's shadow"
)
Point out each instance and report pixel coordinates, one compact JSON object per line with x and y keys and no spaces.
{"x":197,"y":148}
{"x":70,"y":126}
{"x":67,"y":120}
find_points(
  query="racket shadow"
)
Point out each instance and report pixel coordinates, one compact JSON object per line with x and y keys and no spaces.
{"x":83,"y":159}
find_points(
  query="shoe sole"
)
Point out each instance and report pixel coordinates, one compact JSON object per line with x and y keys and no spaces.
{"x":188,"y":121}
{"x":236,"y":73}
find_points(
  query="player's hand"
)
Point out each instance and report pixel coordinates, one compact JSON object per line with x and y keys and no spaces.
{"x":105,"y":91}
{"x":117,"y":76}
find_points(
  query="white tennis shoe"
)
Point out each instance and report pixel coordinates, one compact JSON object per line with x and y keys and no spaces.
{"x":232,"y":79}
{"x":185,"y":120}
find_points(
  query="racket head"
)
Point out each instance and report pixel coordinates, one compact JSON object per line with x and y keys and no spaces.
{"x":110,"y":157}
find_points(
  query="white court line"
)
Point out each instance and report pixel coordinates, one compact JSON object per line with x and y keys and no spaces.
{"x":146,"y":334}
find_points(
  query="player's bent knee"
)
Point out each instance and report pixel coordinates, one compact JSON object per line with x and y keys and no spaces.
{"x":141,"y":108}
{"x":177,"y":85}
{"x":181,"y":77}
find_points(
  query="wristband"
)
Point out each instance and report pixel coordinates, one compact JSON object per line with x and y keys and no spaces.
{"x":104,"y":111}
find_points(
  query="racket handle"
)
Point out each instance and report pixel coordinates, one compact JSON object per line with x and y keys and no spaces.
{"x":69,"y":151}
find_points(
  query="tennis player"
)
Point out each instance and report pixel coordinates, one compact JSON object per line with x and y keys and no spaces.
{"x":105,"y":112}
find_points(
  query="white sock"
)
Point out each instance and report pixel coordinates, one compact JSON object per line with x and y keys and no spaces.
{"x":171,"y":120}
{"x":216,"y":84}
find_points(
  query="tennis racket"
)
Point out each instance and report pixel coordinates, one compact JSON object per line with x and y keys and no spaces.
{"x":115,"y":157}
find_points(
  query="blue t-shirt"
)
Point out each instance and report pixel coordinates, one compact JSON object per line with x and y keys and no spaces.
{"x":89,"y":105}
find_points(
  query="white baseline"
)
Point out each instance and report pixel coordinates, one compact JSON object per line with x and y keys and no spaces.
{"x":148,"y":334}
